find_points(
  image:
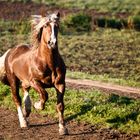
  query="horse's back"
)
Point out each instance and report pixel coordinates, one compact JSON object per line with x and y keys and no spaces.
{"x":18,"y":51}
{"x":16,"y":61}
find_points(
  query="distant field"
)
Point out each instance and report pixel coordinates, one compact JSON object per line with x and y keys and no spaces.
{"x":99,"y":5}
{"x":99,"y":51}
{"x":104,"y":51}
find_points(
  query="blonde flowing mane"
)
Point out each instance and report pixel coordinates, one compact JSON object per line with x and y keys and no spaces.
{"x":37,"y":23}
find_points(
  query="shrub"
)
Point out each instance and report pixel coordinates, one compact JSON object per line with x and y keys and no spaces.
{"x":136,"y":22}
{"x":111,"y":22}
{"x":76,"y":23}
{"x":18,"y":27}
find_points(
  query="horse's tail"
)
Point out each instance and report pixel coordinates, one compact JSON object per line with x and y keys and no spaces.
{"x":2,"y":66}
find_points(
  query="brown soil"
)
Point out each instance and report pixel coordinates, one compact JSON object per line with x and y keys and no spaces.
{"x":107,"y":87}
{"x":44,"y":128}
{"x":25,"y":10}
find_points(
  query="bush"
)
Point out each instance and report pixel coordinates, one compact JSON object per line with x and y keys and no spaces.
{"x":111,"y":22}
{"x":76,"y":23}
{"x":136,"y":22}
{"x":18,"y":27}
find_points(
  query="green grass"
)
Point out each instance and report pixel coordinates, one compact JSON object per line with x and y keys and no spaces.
{"x":103,"y":52}
{"x":92,"y":106}
{"x":102,"y":78}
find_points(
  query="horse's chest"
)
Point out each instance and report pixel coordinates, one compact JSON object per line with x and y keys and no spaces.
{"x":40,"y":71}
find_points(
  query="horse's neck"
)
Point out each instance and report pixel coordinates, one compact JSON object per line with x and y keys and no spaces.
{"x":49,"y":56}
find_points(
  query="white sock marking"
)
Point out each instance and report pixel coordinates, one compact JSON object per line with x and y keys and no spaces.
{"x":22,"y":120}
{"x":37,"y":105}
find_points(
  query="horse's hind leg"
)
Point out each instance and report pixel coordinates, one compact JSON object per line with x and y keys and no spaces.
{"x":60,"y":88}
{"x":27,"y":102}
{"x":14,"y":83}
{"x":43,"y":95}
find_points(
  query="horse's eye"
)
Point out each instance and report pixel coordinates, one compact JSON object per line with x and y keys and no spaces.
{"x":45,"y":26}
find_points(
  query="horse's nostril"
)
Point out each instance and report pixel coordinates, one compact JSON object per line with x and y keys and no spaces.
{"x":56,"y":43}
{"x":49,"y":42}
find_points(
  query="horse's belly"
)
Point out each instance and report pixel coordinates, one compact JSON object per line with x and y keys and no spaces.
{"x":47,"y":81}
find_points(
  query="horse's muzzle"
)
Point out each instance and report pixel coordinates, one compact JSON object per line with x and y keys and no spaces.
{"x":52,"y":44}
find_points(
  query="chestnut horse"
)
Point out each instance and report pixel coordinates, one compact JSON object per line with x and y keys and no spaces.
{"x":38,"y":66}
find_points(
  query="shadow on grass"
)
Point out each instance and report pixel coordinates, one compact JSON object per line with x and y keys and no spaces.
{"x":118,"y":120}
{"x":123,"y":120}
{"x":84,"y":109}
{"x":120,"y":100}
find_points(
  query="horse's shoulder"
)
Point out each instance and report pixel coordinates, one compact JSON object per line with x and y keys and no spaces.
{"x":18,"y":51}
{"x":23,"y":47}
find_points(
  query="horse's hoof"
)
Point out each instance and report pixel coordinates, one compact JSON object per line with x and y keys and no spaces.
{"x":38,"y":106}
{"x":63,"y":131}
{"x":24,"y":124}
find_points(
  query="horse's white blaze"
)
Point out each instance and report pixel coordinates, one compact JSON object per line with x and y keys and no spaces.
{"x":22,"y":120}
{"x":53,"y":37}
{"x":27,"y":100}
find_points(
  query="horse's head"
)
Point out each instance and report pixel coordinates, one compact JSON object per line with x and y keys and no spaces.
{"x":46,"y":29}
{"x":50,"y":30}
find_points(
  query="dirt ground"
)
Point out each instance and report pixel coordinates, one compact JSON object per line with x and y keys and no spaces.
{"x":45,"y":128}
{"x":109,"y":88}
{"x":25,"y":10}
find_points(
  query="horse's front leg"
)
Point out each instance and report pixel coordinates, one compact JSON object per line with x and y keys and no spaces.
{"x":14,"y":84}
{"x":60,"y":89}
{"x":43,"y":95}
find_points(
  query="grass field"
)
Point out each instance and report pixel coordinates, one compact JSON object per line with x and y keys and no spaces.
{"x":100,"y":5}
{"x":92,"y":106}
{"x":113,"y":6}
{"x":110,"y":52}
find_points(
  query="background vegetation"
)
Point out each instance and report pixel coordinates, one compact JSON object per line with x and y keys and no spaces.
{"x":99,"y":5}
{"x":106,"y":51}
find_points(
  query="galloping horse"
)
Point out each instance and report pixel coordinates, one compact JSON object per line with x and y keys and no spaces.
{"x":38,"y":66}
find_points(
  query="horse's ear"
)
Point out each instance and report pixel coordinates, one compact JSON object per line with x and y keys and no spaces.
{"x":43,"y":12}
{"x":58,"y":14}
